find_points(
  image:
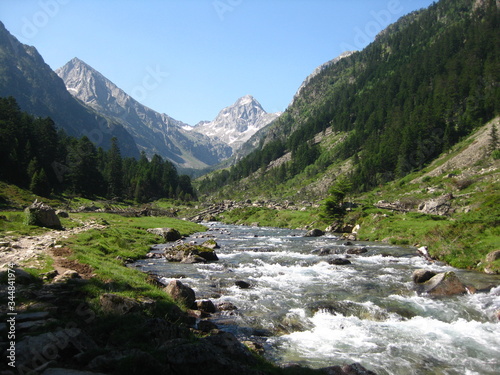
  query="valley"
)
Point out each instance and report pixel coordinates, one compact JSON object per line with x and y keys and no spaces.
{"x":300,"y":237}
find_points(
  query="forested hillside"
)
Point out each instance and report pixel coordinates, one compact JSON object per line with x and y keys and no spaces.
{"x":34,"y":155}
{"x":426,"y":82}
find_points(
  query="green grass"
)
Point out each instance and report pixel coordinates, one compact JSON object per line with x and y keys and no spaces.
{"x":272,"y":217}
{"x":123,"y":238}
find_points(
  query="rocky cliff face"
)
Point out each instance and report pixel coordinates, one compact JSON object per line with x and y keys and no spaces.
{"x":235,"y":124}
{"x":39,"y":91}
{"x":154,"y":133}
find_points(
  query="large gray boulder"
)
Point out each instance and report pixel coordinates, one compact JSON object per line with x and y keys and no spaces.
{"x":42,"y":215}
{"x":438,"y":206}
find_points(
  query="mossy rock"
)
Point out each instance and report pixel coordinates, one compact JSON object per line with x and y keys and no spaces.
{"x":190,"y":254}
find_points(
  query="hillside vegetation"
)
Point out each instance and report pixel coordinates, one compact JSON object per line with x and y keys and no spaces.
{"x":424,"y":84}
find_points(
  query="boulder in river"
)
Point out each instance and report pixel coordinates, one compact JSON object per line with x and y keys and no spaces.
{"x":211,"y":244}
{"x":443,"y":284}
{"x":206,"y":306}
{"x":190,"y":254}
{"x":242,"y":284}
{"x":42,"y":215}
{"x":357,"y":250}
{"x":226,"y":306}
{"x":339,"y":261}
{"x":315,"y":233}
{"x":421,"y":276}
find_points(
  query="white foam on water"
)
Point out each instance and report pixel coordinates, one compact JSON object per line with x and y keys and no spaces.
{"x":428,"y":345}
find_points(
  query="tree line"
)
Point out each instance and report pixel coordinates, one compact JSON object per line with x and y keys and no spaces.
{"x":36,"y":156}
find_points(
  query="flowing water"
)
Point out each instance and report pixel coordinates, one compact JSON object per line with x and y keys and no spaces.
{"x":305,"y":310}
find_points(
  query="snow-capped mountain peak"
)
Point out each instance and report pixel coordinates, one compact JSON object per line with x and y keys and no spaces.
{"x":235,"y":124}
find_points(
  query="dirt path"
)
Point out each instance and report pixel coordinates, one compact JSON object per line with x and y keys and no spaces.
{"x":26,"y":250}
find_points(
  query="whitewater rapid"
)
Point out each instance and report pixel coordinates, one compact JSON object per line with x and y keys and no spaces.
{"x":303,"y":309}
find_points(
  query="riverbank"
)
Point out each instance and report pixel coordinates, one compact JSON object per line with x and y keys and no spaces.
{"x":78,"y":306}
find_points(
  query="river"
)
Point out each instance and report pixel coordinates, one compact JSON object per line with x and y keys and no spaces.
{"x":304,"y":310}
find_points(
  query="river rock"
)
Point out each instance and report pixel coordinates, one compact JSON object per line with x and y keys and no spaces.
{"x":226,"y":306}
{"x":357,"y":250}
{"x":421,"y":276}
{"x":348,"y":308}
{"x":119,"y":305}
{"x":190,"y":254}
{"x":168,"y":234}
{"x":339,"y":261}
{"x":211,"y":244}
{"x":42,"y":215}
{"x":443,"y":284}
{"x":314,"y":233}
{"x":181,"y":293}
{"x":206,"y":306}
{"x":242,"y":284}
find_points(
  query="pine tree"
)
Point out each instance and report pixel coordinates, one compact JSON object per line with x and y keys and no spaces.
{"x":40,"y":184}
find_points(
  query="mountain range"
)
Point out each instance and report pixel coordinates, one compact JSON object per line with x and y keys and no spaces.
{"x":153,"y":132}
{"x":82,"y":101}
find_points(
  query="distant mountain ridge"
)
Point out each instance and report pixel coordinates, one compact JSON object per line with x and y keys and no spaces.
{"x":235,"y":124}
{"x":25,"y":76}
{"x":154,"y":133}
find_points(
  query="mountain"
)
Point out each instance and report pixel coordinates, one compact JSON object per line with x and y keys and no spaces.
{"x":235,"y":124}
{"x":154,"y":133}
{"x":39,"y":91}
{"x":268,"y":131}
{"x":426,"y":82}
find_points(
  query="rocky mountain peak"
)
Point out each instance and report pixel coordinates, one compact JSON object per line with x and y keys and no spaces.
{"x":153,"y":132}
{"x":235,"y":124}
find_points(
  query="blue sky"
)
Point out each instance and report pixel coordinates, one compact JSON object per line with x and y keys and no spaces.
{"x":191,"y":58}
